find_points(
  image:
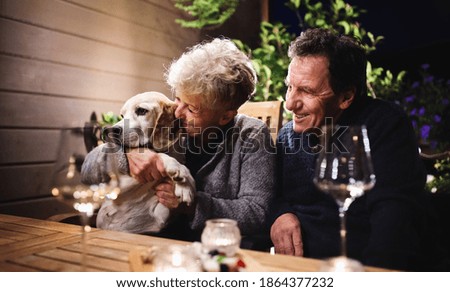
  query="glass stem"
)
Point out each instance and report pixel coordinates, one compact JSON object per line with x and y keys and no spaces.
{"x":85,"y":227}
{"x":343,"y":232}
{"x":343,"y":207}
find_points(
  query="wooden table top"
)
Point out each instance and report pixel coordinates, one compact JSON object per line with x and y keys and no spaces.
{"x":28,"y":244}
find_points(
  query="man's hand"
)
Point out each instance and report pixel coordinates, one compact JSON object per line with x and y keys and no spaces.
{"x":145,"y":165}
{"x":286,"y":235}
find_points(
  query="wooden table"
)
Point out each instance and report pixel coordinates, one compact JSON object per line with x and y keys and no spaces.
{"x":28,"y":244}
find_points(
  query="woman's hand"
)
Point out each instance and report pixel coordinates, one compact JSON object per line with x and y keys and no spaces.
{"x":145,"y":165}
{"x":165,"y":192}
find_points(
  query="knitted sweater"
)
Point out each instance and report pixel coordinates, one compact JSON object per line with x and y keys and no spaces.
{"x":384,"y":226}
{"x":238,"y":180}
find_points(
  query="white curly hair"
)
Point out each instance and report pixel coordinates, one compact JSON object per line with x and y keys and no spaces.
{"x":218,"y":71}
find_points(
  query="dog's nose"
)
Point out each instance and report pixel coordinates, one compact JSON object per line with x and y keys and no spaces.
{"x":112,"y":134}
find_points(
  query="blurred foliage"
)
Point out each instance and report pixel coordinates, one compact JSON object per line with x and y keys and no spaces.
{"x":270,"y":61}
{"x":441,"y":181}
{"x":426,"y":101}
{"x":206,"y":13}
{"x":109,"y":119}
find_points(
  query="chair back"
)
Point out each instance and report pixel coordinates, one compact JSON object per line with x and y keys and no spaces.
{"x":270,"y":112}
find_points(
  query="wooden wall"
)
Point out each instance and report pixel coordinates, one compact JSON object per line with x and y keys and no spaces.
{"x":60,"y":60}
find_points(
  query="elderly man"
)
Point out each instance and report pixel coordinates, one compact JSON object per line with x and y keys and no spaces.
{"x":386,"y":227}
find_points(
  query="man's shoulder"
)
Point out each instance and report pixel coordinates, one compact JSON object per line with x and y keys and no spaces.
{"x":384,"y":108}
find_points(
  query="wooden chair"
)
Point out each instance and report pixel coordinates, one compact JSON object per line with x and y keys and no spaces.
{"x":269,"y":112}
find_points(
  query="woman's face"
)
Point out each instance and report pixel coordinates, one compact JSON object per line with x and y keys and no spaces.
{"x":309,"y":95}
{"x":194,"y":117}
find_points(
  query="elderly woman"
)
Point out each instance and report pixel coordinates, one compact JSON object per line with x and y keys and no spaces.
{"x":230,"y":156}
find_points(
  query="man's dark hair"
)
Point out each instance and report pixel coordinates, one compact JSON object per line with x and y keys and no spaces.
{"x":346,"y":56}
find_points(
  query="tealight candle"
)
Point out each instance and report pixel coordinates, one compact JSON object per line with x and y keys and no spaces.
{"x":176,"y":258}
{"x":222,"y":235}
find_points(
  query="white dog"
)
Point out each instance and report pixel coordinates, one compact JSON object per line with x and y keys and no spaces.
{"x":148,"y":120}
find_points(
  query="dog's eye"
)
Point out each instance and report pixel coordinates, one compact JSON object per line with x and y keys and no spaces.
{"x":141,"y":111}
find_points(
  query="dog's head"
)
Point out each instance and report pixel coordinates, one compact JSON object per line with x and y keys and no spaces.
{"x":148,"y":120}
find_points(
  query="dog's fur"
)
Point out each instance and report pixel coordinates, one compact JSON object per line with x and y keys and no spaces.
{"x":147,"y":121}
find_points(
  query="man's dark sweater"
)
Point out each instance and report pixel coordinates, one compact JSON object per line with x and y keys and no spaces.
{"x":385,"y":227}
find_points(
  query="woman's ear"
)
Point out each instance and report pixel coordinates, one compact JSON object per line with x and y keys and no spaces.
{"x":227,"y":116}
{"x":347,"y":98}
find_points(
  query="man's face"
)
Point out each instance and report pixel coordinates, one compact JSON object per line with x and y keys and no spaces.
{"x":309,"y":95}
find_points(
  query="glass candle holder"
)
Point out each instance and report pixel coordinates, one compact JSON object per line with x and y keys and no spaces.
{"x":221,"y":235}
{"x":176,"y":258}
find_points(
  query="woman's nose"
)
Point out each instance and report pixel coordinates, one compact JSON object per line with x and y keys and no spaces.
{"x":179,"y":111}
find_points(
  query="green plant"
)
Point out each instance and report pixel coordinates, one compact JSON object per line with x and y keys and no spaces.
{"x":109,"y":118}
{"x":270,"y":61}
{"x":440,"y":183}
{"x":427,"y":103}
{"x":206,"y":13}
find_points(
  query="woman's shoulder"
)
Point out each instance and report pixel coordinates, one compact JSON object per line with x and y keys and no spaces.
{"x":246,"y":123}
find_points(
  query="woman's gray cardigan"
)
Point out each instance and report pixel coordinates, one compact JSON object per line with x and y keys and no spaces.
{"x":239,"y":181}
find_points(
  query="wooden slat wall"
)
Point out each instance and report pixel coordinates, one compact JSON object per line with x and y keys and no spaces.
{"x":60,"y":60}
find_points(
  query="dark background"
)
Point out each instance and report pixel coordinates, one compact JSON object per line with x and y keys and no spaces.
{"x":416,"y":32}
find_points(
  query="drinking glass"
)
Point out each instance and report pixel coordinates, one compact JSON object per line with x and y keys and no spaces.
{"x":68,"y":187}
{"x":344,"y":170}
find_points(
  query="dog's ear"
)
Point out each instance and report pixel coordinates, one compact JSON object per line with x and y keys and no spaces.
{"x":163,"y":137}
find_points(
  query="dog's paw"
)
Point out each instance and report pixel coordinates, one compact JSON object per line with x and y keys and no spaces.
{"x":184,"y":193}
{"x":184,"y":182}
{"x":184,"y":185}
{"x":174,"y":170}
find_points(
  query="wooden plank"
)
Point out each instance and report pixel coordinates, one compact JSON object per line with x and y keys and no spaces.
{"x":41,"y":111}
{"x":43,"y":44}
{"x":33,"y":76}
{"x":48,"y":264}
{"x":107,"y":243}
{"x":15,"y":236}
{"x":65,"y":17}
{"x":164,"y":4}
{"x":24,"y":181}
{"x":11,"y":267}
{"x":5,"y":240}
{"x":32,"y":231}
{"x":136,"y":239}
{"x":92,"y":261}
{"x":157,"y":15}
{"x":99,"y":251}
{"x":12,"y":218}
{"x":54,"y":226}
{"x":37,"y":244}
{"x":20,"y":146}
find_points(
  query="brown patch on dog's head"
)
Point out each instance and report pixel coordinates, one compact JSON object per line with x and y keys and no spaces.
{"x":167,"y":128}
{"x":148,"y":120}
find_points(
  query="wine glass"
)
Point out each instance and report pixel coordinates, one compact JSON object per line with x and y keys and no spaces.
{"x":67,"y":185}
{"x":344,"y":170}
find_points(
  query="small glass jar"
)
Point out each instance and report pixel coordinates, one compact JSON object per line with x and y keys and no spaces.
{"x":221,"y":235}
